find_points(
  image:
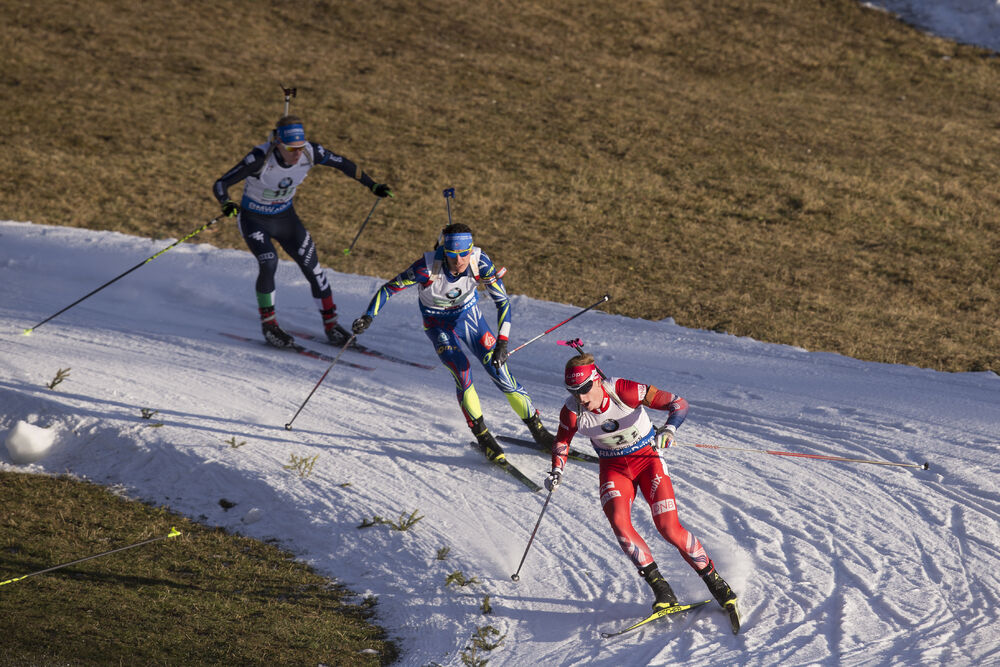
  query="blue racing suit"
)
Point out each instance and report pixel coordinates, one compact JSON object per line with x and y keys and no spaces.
{"x":450,"y":308}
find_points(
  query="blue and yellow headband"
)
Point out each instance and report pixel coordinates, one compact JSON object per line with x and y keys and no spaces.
{"x":292,"y":134}
{"x":457,"y":245}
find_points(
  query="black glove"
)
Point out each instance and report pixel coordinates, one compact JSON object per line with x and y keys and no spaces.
{"x":361,"y":324}
{"x":382,"y":190}
{"x":230,"y":209}
{"x":500,"y":354}
{"x":553,"y":479}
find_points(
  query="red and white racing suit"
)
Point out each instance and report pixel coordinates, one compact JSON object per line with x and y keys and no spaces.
{"x":624,"y":438}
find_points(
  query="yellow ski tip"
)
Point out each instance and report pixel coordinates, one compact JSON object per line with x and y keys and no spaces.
{"x":173,"y":532}
{"x":27,"y":332}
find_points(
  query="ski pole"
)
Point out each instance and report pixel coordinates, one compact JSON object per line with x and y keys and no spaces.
{"x":119,"y":277}
{"x":604,"y":298}
{"x":288,"y":426}
{"x":347,"y":251}
{"x":173,"y":533}
{"x":822,"y":457}
{"x":517,"y":575}
{"x":449,"y":193}
{"x":577,"y":345}
{"x":289,"y":94}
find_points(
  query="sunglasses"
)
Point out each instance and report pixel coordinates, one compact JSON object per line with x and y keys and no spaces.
{"x":293,"y":149}
{"x":458,"y":253}
{"x":582,"y":389}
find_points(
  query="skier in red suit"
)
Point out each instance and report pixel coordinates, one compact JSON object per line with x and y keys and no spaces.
{"x":611,"y":412}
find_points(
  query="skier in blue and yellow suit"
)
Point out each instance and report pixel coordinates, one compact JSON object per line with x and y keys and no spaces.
{"x":447,"y":278}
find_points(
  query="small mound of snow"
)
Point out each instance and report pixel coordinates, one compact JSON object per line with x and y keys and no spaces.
{"x":27,"y":443}
{"x":253,"y":516}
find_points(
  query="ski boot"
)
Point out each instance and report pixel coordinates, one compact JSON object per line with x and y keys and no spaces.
{"x":335,"y":334}
{"x":273,"y":334}
{"x":722,"y":593}
{"x":538,"y":432}
{"x":489,"y":444}
{"x":665,"y":597}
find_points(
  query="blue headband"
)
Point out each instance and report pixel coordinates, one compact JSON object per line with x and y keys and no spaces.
{"x":459,"y":241}
{"x":290,"y":134}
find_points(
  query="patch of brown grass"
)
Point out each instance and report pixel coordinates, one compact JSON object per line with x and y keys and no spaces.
{"x":817,"y":174}
{"x":204,"y":597}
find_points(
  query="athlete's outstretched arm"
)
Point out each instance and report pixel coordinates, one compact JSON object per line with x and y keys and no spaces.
{"x":248,"y":166}
{"x":664,"y":400}
{"x":417,"y":273}
{"x":634,"y":394}
{"x":560,"y":446}
{"x":331,"y":159}
{"x":494,"y":286}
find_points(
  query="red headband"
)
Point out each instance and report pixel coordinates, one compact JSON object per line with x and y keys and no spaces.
{"x":577,"y":376}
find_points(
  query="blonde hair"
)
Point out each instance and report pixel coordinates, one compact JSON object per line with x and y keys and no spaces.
{"x":285,"y":121}
{"x":582,"y":359}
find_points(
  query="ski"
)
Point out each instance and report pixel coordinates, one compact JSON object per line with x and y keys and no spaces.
{"x":363,"y":349}
{"x":525,"y":442}
{"x":508,"y":467}
{"x":298,"y":348}
{"x":660,"y":613}
{"x":734,"y":617}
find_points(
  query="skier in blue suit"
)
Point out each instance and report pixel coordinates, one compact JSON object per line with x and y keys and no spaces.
{"x":447,"y":278}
